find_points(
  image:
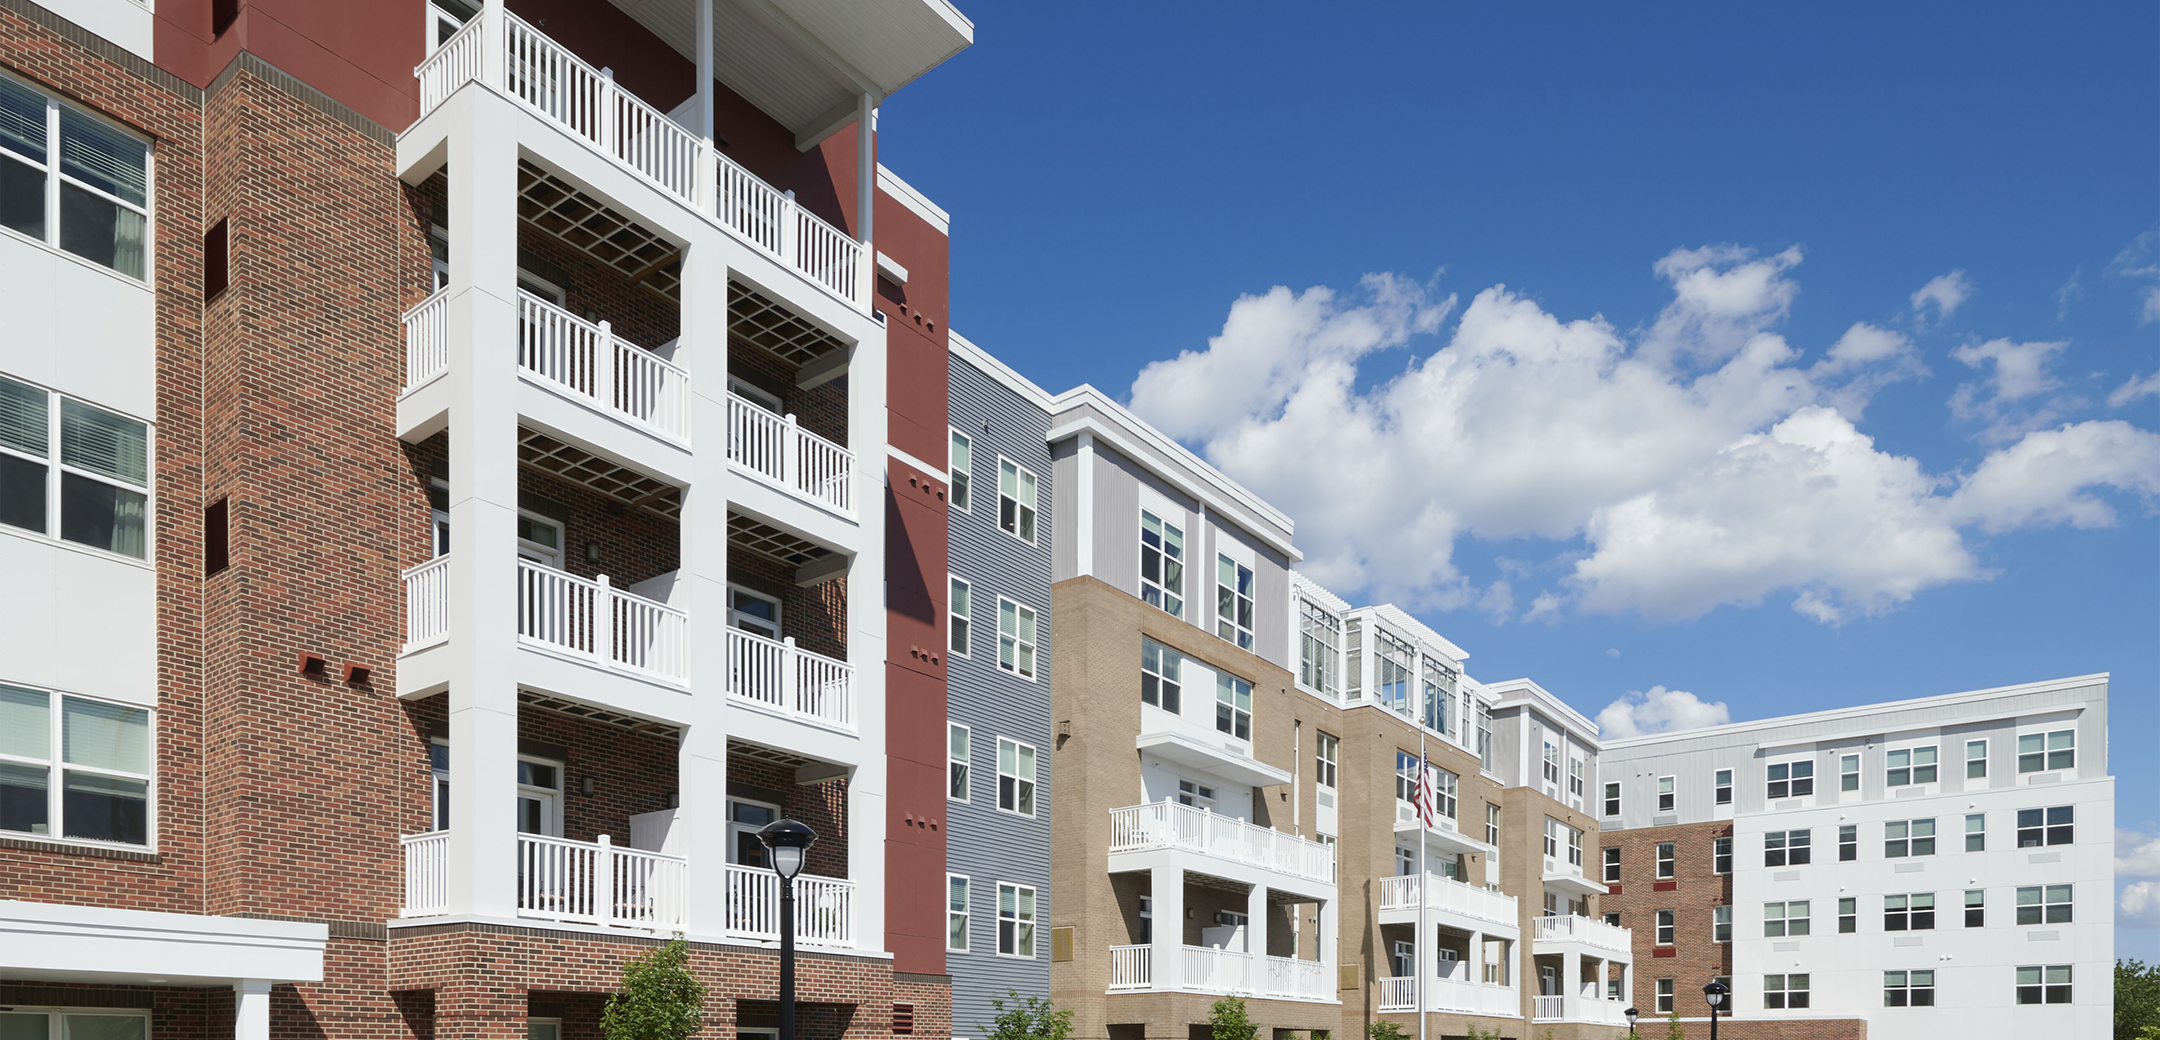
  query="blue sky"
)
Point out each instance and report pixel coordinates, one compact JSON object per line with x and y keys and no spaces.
{"x":1815,"y":379}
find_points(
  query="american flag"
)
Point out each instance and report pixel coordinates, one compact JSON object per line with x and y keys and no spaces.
{"x":1427,"y":801}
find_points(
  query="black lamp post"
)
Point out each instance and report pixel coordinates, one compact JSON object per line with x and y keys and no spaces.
{"x":1714,"y":993}
{"x":1631,"y":1013}
{"x":788,"y":841}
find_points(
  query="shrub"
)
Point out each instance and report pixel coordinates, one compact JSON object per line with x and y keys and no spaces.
{"x":659,"y":999}
{"x":1227,"y":1019}
{"x":1031,"y":1019}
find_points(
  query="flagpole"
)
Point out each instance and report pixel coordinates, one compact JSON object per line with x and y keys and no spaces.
{"x":1422,"y":953}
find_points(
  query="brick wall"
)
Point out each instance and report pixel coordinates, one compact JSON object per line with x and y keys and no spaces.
{"x":1693,"y":959}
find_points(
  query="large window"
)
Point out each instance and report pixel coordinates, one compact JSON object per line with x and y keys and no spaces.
{"x":1233,"y":705}
{"x":95,"y":788}
{"x":2043,"y":984}
{"x":1787,"y":848}
{"x":1406,"y":777}
{"x":1791,"y":779}
{"x":1161,"y":675}
{"x":2051,"y":826}
{"x":1908,"y":838}
{"x":960,"y":468}
{"x":1016,"y":500}
{"x":1910,"y":912}
{"x":1575,"y":779}
{"x":959,"y":752}
{"x":1664,"y":996}
{"x":1016,"y":638}
{"x":56,"y":161}
{"x":1016,"y":777}
{"x":1492,"y":825}
{"x":1162,"y":564}
{"x":2043,"y":904}
{"x":1325,"y":751}
{"x":2056,"y":750}
{"x":1552,"y":763}
{"x":1785,"y":991}
{"x":1783,"y":919}
{"x":956,"y":913}
{"x":960,"y":613}
{"x":1908,"y":989}
{"x":1234,"y":601}
{"x":1444,"y":784}
{"x":1908,"y":766}
{"x":1439,"y":691}
{"x":1393,"y":663}
{"x":102,"y":479}
{"x":1016,"y":921}
{"x":1484,"y":736}
{"x":1319,"y":649}
{"x":22,"y":1023}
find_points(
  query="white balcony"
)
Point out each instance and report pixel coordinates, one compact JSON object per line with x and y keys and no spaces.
{"x":1587,"y":931}
{"x":508,"y":55}
{"x":564,"y":614}
{"x":1209,"y":969}
{"x":776,"y":676}
{"x":594,"y":883}
{"x":1460,"y":996}
{"x":1168,"y":825}
{"x":1399,"y":897}
{"x":771,"y":447}
{"x":824,"y":907}
{"x":1589,"y":1007}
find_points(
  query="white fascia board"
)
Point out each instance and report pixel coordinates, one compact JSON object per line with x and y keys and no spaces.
{"x":988,"y":364}
{"x":1318,"y":593}
{"x":894,"y":452}
{"x":891,"y":268}
{"x":1184,"y":750}
{"x":916,"y":202}
{"x":56,"y":941}
{"x":1526,"y":692}
{"x":1419,"y":631}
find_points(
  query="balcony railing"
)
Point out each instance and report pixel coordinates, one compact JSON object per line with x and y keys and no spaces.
{"x":427,"y":340}
{"x":824,"y":907}
{"x":1444,"y":893}
{"x":1170,"y":825}
{"x":559,"y":880}
{"x":774,"y":447}
{"x":1212,"y":970}
{"x":427,"y":604}
{"x":509,"y":55}
{"x":1586,"y":1008}
{"x":1546,"y":1009}
{"x":779,"y":677}
{"x":594,"y":620}
{"x":1399,"y":993}
{"x":1298,"y":979}
{"x":586,"y":360}
{"x":1586,"y":930}
{"x":1131,"y":968}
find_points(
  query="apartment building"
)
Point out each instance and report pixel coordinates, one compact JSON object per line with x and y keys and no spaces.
{"x":450,"y":457}
{"x":1939,"y":867}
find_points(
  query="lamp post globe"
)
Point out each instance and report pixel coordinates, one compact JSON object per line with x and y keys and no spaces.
{"x":787,"y":841}
{"x":1630,"y":1013}
{"x":1714,"y":995}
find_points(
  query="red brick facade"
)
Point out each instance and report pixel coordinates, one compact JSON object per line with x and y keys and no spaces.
{"x":1693,"y":958}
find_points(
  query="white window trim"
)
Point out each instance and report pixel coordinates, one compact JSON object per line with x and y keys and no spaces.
{"x":779,"y":618}
{"x":1241,"y":636}
{"x":1033,"y":782}
{"x":967,"y":790}
{"x":1912,"y":767}
{"x":966,"y":913}
{"x":1668,"y":801}
{"x":1983,"y":759}
{"x":56,"y":778}
{"x":1034,"y":646}
{"x":56,"y":1028}
{"x":55,"y":469}
{"x":969,"y":471}
{"x":951,"y":614}
{"x":1184,"y":611}
{"x":51,"y":242}
{"x":1034,"y":508}
{"x":1789,"y":778}
{"x":2045,"y":753}
{"x":1033,"y":919}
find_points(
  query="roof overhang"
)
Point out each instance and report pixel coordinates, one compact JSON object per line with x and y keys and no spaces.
{"x":1444,"y":839}
{"x":1186,"y":751}
{"x":1574,"y":884}
{"x":61,"y":943}
{"x":807,"y":63}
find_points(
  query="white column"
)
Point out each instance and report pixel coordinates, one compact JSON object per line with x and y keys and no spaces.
{"x":707,"y":175}
{"x":1167,"y":959}
{"x":1083,"y":512}
{"x":701,"y":759}
{"x":1324,"y":937}
{"x":1474,"y":965}
{"x":491,"y":45}
{"x":251,"y":1009}
{"x":1256,"y":923}
{"x":1571,"y":1007}
{"x":483,"y":508}
{"x":865,"y":169}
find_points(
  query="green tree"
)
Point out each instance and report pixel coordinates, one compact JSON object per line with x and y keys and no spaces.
{"x":1480,"y":1034}
{"x":1227,"y":1019}
{"x":2137,"y":1000}
{"x":659,"y":999}
{"x":1385,"y":1031}
{"x":1673,"y":1029}
{"x":1031,"y":1019}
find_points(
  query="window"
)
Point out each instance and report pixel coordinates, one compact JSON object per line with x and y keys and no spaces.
{"x":1908,"y":838}
{"x":1976,"y":832}
{"x":1724,"y":786}
{"x":1492,"y":825}
{"x":959,"y":746}
{"x":1612,"y":917}
{"x":1233,"y":705}
{"x":97,"y":786}
{"x":1914,"y":912}
{"x":1234,"y":601}
{"x":2050,"y":826}
{"x":1552,"y":763}
{"x":1555,"y":833}
{"x":960,"y":609}
{"x":1439,"y":696}
{"x":2049,"y":984}
{"x":1786,"y":848}
{"x":1664,"y":928}
{"x":1784,"y":991}
{"x":1908,"y":989}
{"x":1792,"y":779}
{"x":1664,"y":996}
{"x":1848,"y":916}
{"x":1975,"y":759}
{"x":22,"y":1023}
{"x":1016,"y":638}
{"x":1195,"y":794}
{"x":97,"y":177}
{"x":1664,"y":859}
{"x":1484,"y":736}
{"x":1910,"y":766}
{"x":1353,"y":660}
{"x":439,"y":769}
{"x":1406,"y":778}
{"x":2043,"y":904}
{"x":445,"y":18}
{"x":960,"y":468}
{"x":1848,"y":843}
{"x":1612,"y":866}
{"x":102,"y":481}
{"x":2057,"y":750}
{"x":1975,"y":908}
{"x":540,"y":540}
{"x":1319,"y":649}
{"x":1016,"y":500}
{"x":1848,"y":773}
{"x":1162,"y":564}
{"x":956,"y":913}
{"x":1721,"y":924}
{"x":1325,"y":750}
{"x":1016,"y":777}
{"x":1665,"y":795}
{"x":1444,"y":792}
{"x":1161,"y":675}
{"x":1721,"y":855}
{"x":1783,"y":919}
{"x":1393,"y":662}
{"x":1016,"y":921}
{"x":1612,"y":799}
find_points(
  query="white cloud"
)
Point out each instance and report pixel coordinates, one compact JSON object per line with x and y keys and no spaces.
{"x":2139,"y":905}
{"x":1702,"y":459}
{"x":2137,"y":387}
{"x":1613,"y":652}
{"x":2136,"y":855}
{"x":2140,"y":262}
{"x":1944,"y":292}
{"x":1658,"y":710}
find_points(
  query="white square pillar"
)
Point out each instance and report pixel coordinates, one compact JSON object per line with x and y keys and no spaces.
{"x":1166,"y":962}
{"x":701,"y":760}
{"x":1256,"y":925}
{"x":1571,"y":1008}
{"x":251,"y":1009}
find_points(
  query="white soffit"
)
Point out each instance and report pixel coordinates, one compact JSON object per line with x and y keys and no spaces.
{"x":55,"y":942}
{"x":1186,"y":751}
{"x":805,"y":62}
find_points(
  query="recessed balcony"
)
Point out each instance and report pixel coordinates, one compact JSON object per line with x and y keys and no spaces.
{"x":1589,"y":1007}
{"x":771,"y":447}
{"x":1588,"y":931}
{"x":1209,"y":969}
{"x":1169,"y":825}
{"x":1399,"y":900}
{"x":1461,"y":996}
{"x":564,"y":614}
{"x":774,"y":675}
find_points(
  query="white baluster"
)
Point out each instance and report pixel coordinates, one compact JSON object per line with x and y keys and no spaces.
{"x":603,"y":622}
{"x":604,"y":367}
{"x":788,"y":231}
{"x":790,"y":454}
{"x":603,"y":890}
{"x":788,"y":663}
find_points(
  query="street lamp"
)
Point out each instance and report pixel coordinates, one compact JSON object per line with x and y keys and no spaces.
{"x":787,"y":840}
{"x":1630,"y":1013}
{"x":1714,"y":993}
